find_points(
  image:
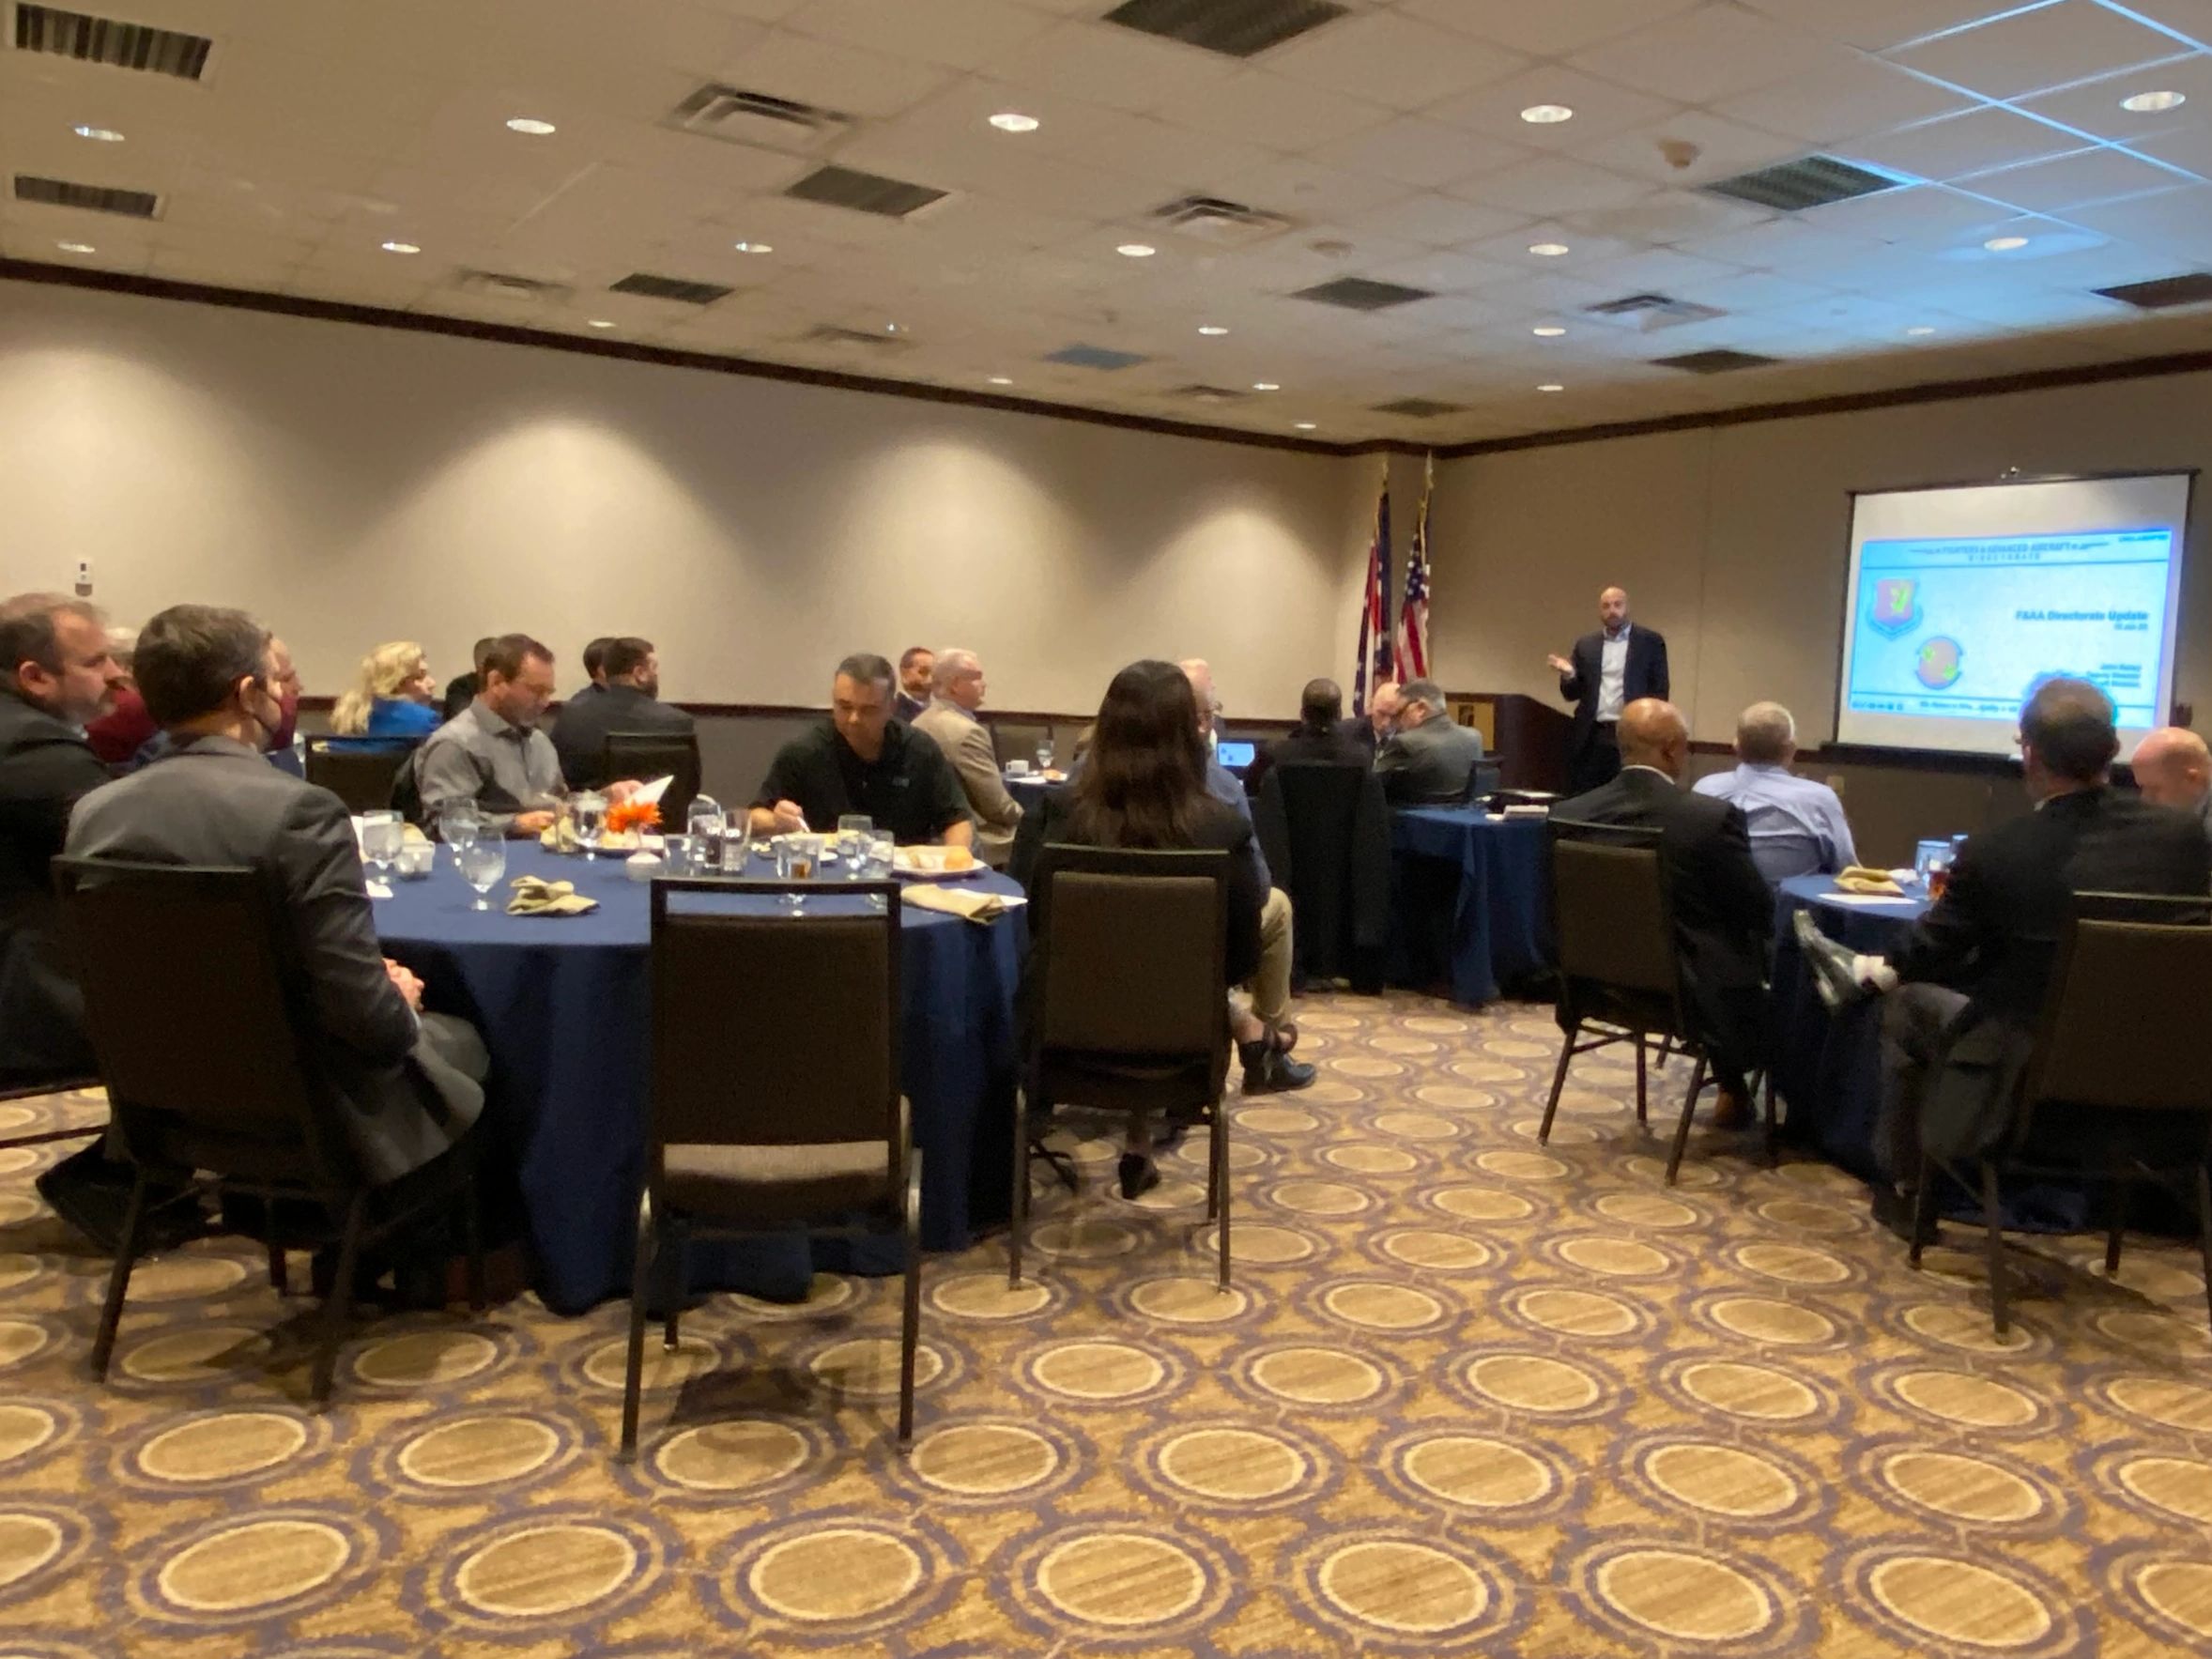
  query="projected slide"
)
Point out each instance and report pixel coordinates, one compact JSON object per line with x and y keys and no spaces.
{"x":1962,"y":599}
{"x":1964,"y":628}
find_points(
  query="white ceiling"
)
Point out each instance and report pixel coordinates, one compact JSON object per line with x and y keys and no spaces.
{"x":1392,"y":136}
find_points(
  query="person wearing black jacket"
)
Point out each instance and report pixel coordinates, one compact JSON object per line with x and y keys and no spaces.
{"x":460,"y":691}
{"x":1616,"y":666}
{"x":1722,"y":908}
{"x":627,"y":699}
{"x":1322,"y":735}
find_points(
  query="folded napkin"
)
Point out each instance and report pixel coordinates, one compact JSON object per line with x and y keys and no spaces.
{"x":969,"y":903}
{"x":1859,"y":879}
{"x":534,"y":896}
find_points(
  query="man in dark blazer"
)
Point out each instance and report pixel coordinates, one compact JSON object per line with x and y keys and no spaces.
{"x":627,"y":699}
{"x":1323,"y":736}
{"x":1968,"y":983}
{"x":1721,"y":909}
{"x":1609,"y":669}
{"x":407,"y":1084}
{"x":1373,"y":730}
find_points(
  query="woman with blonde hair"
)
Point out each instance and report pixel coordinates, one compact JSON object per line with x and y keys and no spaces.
{"x":394,"y":696}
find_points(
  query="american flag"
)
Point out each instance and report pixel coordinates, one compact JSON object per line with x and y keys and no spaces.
{"x":1413,"y":616}
{"x":1374,"y":665}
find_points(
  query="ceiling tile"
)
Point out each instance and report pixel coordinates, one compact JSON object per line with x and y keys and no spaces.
{"x":1879,"y":24}
{"x":1111,"y":65}
{"x":1955,"y":145}
{"x":1844,"y":99}
{"x":1709,"y":53}
{"x":1601,"y":108}
{"x":2032,"y":49}
{"x":1691,"y":148}
{"x":1667,"y":217}
{"x":837,"y":77}
{"x":2080,"y":179}
{"x":1554,"y":184}
{"x":1306,"y":189}
{"x":1392,"y":59}
{"x":1683,"y":275}
{"x":1417,"y":151}
{"x":2094,"y":106}
{"x":1545,"y":30}
{"x":1259,"y":107}
{"x":960,"y":34}
{"x":1438,"y":220}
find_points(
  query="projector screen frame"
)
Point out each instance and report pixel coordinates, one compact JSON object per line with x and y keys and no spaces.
{"x":1961,"y":760}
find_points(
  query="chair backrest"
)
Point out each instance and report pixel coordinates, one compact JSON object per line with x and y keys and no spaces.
{"x":363,"y":778}
{"x":648,"y":755}
{"x":2130,"y":1004}
{"x":1320,"y":813}
{"x":1320,"y":800}
{"x":191,"y":984}
{"x":1134,"y":947}
{"x":1787,"y":853}
{"x":1614,"y":926}
{"x":770,"y":1029}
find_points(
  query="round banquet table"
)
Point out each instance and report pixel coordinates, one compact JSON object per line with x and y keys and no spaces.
{"x":562,"y":1004}
{"x":1468,"y":900}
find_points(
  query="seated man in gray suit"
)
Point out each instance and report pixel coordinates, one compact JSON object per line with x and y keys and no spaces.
{"x":1428,"y":759}
{"x":407,"y":1084}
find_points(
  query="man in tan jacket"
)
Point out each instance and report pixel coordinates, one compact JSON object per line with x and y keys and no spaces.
{"x":957,"y":693}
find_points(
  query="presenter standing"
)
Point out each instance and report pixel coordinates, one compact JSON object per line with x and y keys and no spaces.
{"x":1609,"y":669}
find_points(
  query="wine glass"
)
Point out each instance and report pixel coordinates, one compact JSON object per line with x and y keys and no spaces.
{"x":382,"y":834}
{"x":591,"y":810}
{"x":853,"y":829}
{"x":482,"y":862}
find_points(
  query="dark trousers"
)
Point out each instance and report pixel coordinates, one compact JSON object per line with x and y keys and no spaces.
{"x":1597,"y":762}
{"x":1916,"y":1027}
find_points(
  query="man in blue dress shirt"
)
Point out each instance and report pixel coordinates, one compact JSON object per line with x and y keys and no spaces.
{"x":1797,"y":826}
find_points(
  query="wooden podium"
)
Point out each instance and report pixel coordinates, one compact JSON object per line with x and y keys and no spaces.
{"x":1526,"y":735}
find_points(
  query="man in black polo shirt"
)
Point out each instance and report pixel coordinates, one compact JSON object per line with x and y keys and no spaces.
{"x":862,"y":761}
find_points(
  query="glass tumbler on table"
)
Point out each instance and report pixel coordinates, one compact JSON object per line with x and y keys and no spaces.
{"x":854,"y":830}
{"x":795,"y":861}
{"x":382,"y":834}
{"x":482,"y":862}
{"x":876,"y":862}
{"x":704,"y":823}
{"x":1044,"y":755}
{"x":591,"y":810}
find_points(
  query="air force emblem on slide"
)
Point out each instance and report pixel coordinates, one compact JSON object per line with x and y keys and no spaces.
{"x":1896,"y":604}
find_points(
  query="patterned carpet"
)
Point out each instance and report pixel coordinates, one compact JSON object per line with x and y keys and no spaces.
{"x":1468,"y":1396}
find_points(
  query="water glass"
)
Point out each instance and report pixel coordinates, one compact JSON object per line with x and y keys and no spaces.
{"x":876,"y":863}
{"x":676,"y":854}
{"x":854,"y":830}
{"x":482,"y":865}
{"x":1927,"y":853}
{"x":461,"y":827}
{"x":382,"y":834}
{"x":795,"y":861}
{"x":733,"y":852}
{"x":1044,"y":755}
{"x":591,"y":810}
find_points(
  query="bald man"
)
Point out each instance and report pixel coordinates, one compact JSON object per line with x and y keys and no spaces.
{"x":1609,"y":669}
{"x":1722,"y":908}
{"x":2173,"y":768}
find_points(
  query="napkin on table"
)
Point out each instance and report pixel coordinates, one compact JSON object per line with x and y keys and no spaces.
{"x":534,"y":896}
{"x":1857,"y":878}
{"x":966,"y":901}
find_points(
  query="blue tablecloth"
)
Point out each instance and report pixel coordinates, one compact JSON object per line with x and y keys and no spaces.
{"x":563,"y":1005}
{"x":1468,"y":888}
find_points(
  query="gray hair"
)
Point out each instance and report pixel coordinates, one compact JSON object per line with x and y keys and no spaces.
{"x":1765,"y":735}
{"x":1426,"y":691}
{"x":952,"y":661}
{"x":28,"y":633}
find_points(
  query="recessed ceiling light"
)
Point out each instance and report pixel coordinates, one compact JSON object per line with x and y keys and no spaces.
{"x":890,"y":328}
{"x":2142,"y":103}
{"x":1548,"y":249}
{"x":1014,"y":121}
{"x":753,"y":247}
{"x":1002,"y":380}
{"x":1551,"y":386}
{"x":1136,"y":250}
{"x":1212,"y":330}
{"x":1547,"y":332}
{"x":1923,"y":329}
{"x":76,"y":247}
{"x":98,"y":134}
{"x":1305,"y":426}
{"x":1265,"y":386}
{"x":2005,"y":244}
{"x":532,"y":126}
{"x":599,"y":322}
{"x":399,"y":247}
{"x":1546,"y":115}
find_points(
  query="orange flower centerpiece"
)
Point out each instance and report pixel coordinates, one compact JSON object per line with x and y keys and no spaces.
{"x":626,"y":821}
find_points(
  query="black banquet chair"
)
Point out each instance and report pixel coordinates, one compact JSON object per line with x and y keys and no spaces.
{"x":648,"y":755}
{"x":774,"y":1090}
{"x":1620,"y":972}
{"x":213,"y":1077}
{"x":1130,"y":1008}
{"x":361,"y":777}
{"x":1325,"y":830}
{"x":2116,"y":1089}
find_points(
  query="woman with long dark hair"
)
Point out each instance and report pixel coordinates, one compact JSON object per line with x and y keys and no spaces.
{"x":1142,"y":785}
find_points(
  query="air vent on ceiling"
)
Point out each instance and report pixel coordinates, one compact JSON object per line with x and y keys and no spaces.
{"x":738,"y":116}
{"x":1715,"y":363}
{"x":1359,"y":294}
{"x":93,"y":198}
{"x":1418,"y":408}
{"x":500,"y":284}
{"x":1810,"y":182}
{"x":856,"y":339}
{"x":661,"y":287}
{"x":120,"y":45}
{"x":2165,"y":293}
{"x":1647,"y":313}
{"x":1217,"y":222}
{"x":1240,"y":28}
{"x":1198,"y":391}
{"x":1094,"y":357}
{"x":864,"y":193}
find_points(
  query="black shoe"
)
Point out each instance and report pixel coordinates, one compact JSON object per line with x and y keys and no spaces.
{"x":1138,"y":1175}
{"x":90,"y":1192}
{"x":1267,"y":1070}
{"x":1829,"y":964}
{"x":1895,"y":1207}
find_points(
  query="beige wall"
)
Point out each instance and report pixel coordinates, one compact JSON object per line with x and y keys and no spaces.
{"x":353,"y":484}
{"x":1733,"y":541}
